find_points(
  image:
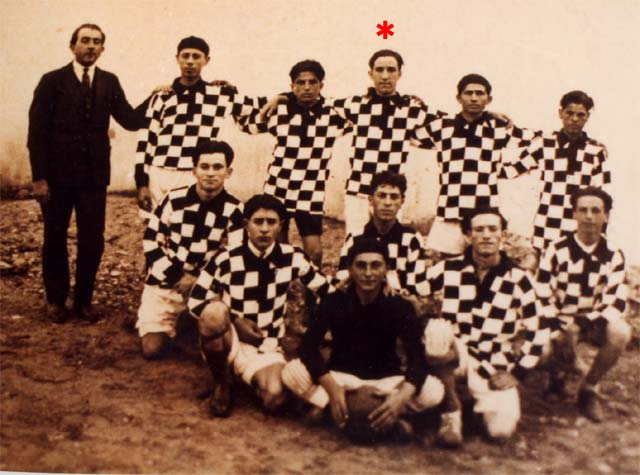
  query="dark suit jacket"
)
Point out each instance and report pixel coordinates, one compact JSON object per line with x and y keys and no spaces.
{"x":68,"y":145}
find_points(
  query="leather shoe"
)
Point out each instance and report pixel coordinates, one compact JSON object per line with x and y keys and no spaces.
{"x":450,"y":431}
{"x":56,"y":313}
{"x":590,"y":405}
{"x":221,"y":400}
{"x":87,"y":313}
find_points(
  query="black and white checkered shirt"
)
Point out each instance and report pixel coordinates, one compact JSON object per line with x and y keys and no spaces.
{"x":179,"y":119}
{"x":406,"y":256}
{"x":488,"y":314}
{"x":184,"y":232}
{"x":383,"y":129}
{"x":469,"y":157}
{"x":564,"y":167}
{"x":581,"y":283}
{"x":305,"y":138}
{"x":256,"y":288}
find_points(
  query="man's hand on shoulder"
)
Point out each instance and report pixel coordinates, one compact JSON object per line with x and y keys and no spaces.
{"x":503,"y":117}
{"x":41,"y":191}
{"x":270,"y":107}
{"x":144,"y":198}
{"x":163,"y":89}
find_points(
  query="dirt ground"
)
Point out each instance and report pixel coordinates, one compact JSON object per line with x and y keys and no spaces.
{"x":80,"y":398}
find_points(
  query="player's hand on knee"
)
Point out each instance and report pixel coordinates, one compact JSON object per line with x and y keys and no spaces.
{"x":387,"y":413}
{"x":502,"y":380}
{"x":185,"y":284}
{"x":144,"y":198}
{"x":248,"y":331}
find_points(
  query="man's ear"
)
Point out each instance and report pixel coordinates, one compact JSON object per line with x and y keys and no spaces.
{"x":489,"y":99}
{"x":229,"y":171}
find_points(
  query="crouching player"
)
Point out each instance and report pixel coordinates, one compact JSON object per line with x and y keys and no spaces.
{"x":240,"y":300}
{"x":184,"y":231}
{"x":498,"y":324}
{"x":583,"y":276}
{"x":365,"y":324}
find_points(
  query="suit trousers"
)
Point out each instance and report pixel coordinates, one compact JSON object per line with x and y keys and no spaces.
{"x":89,"y":204}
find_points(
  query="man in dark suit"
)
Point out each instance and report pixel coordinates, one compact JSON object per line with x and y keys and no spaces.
{"x":69,"y":152}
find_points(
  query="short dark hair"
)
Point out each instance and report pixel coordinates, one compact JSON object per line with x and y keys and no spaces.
{"x":474,"y":79}
{"x":389,"y":178}
{"x":468,"y":217}
{"x":577,"y":97}
{"x":592,"y":191}
{"x":257,"y":202}
{"x":362,"y":244}
{"x":91,"y":26}
{"x":213,"y":146}
{"x":308,"y":65}
{"x":195,"y":43}
{"x":386,"y":52}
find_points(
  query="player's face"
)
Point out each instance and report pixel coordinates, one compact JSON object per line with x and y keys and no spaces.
{"x":191,"y":62}
{"x":386,"y":201}
{"x":368,"y":271}
{"x":474,"y":99}
{"x":211,"y":172}
{"x":263,"y":228}
{"x":486,"y":234}
{"x":88,"y":47}
{"x":385,"y":74}
{"x":306,"y":88}
{"x":591,"y":217}
{"x":574,"y":117}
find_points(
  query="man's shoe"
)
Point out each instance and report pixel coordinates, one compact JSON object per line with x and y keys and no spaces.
{"x":56,"y":313}
{"x":155,"y":345}
{"x":87,"y":313}
{"x":590,"y":405}
{"x":221,"y":400}
{"x":450,"y":431}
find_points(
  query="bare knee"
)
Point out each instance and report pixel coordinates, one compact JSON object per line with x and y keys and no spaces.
{"x":618,"y":333}
{"x":500,"y":426}
{"x":154,"y":345}
{"x":214,"y":325}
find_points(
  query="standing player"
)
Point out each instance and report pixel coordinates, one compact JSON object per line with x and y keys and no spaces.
{"x":567,"y":159}
{"x":469,"y":149}
{"x":183,"y":233}
{"x":306,"y":129}
{"x":240,"y":300}
{"x":490,"y":303}
{"x":178,"y":120}
{"x":405,"y":259}
{"x":583,"y":276}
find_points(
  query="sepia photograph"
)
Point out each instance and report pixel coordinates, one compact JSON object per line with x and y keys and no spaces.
{"x":337,"y":237}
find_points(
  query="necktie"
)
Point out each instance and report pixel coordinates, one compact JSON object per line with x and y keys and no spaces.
{"x":86,"y":89}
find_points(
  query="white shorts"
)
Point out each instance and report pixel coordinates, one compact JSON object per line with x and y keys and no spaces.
{"x":297,"y":378}
{"x":247,"y":359}
{"x":159,"y":309}
{"x":487,"y":401}
{"x":446,"y":236}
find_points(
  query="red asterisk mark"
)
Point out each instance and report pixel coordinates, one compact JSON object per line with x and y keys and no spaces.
{"x":385,"y":29}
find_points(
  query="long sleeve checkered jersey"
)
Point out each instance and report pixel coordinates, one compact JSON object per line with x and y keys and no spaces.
{"x":383,"y":129}
{"x":578,"y":283}
{"x":304,"y":141}
{"x":564,"y":167}
{"x":488,"y":315}
{"x":176,"y":121}
{"x":406,"y":266}
{"x":469,"y":159}
{"x":184,"y":232}
{"x":256,"y":288}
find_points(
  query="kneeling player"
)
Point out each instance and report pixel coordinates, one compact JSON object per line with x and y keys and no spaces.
{"x":365,"y":325}
{"x":240,"y":301}
{"x":583,"y":275}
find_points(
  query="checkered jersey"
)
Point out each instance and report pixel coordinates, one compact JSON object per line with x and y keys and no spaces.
{"x":469,"y":156}
{"x":488,"y":315}
{"x":184,"y":232}
{"x":383,"y":129}
{"x":578,"y":283}
{"x":179,"y":119}
{"x":406,"y":267}
{"x":564,"y":167}
{"x":304,"y":141}
{"x":256,"y":288}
